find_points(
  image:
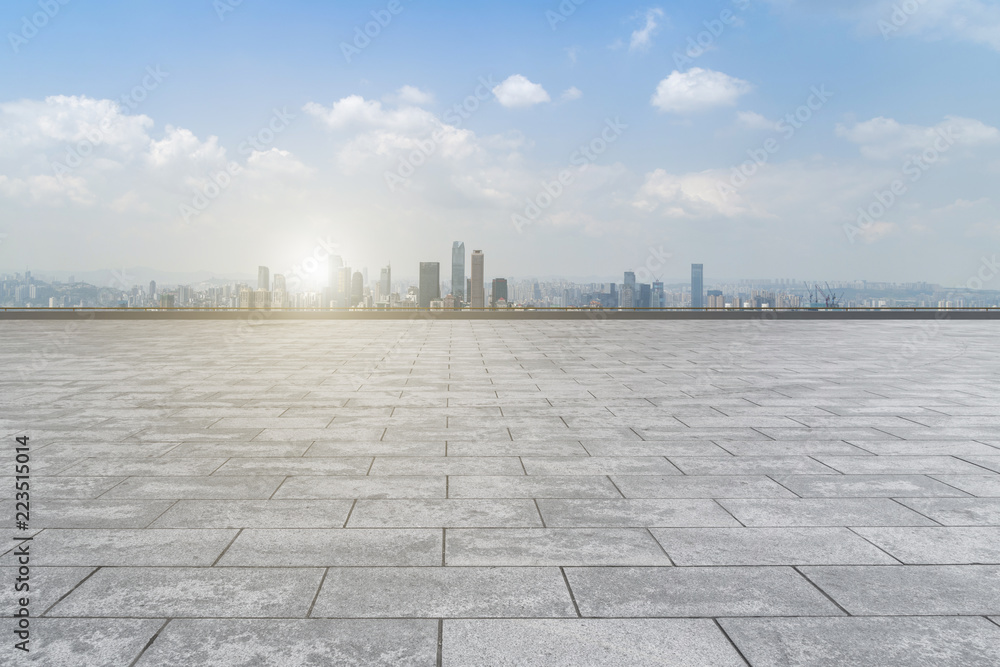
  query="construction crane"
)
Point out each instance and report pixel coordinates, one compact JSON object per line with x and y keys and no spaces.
{"x":830,"y":299}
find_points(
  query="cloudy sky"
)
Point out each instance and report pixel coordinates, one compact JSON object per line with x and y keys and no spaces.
{"x":811,"y":139}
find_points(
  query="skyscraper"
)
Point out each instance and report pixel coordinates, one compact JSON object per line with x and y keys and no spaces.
{"x":430,"y":283}
{"x":458,"y":270}
{"x":499,"y":291}
{"x":152,"y":289}
{"x":697,"y":285}
{"x":279,"y":282}
{"x":263,"y":278}
{"x":477,"y":299}
{"x":357,"y":288}
{"x":385,"y":282}
{"x":343,"y":290}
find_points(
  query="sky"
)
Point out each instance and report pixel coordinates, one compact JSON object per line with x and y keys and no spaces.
{"x":802,"y":139}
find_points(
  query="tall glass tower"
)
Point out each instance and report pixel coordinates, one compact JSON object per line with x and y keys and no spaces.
{"x":697,"y":285}
{"x":458,"y":271}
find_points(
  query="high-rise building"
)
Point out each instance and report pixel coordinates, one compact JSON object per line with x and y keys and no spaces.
{"x":430,"y":283}
{"x":697,"y":285}
{"x":279,"y":282}
{"x":645,"y":296}
{"x":630,"y":279}
{"x":385,"y":282}
{"x":458,"y":271}
{"x":263,"y":278}
{"x":357,"y":288}
{"x":499,"y":291}
{"x":343,"y":290}
{"x":716,"y":300}
{"x":477,"y":299}
{"x":152,"y":289}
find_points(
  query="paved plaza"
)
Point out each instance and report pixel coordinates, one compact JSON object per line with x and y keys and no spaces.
{"x":505,"y":493}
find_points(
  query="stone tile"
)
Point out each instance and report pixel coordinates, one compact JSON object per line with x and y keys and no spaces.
{"x":751,"y":465}
{"x":90,"y":513}
{"x":207,"y":488}
{"x":690,"y":486}
{"x":587,"y":643}
{"x":533,"y":486}
{"x":599,"y":465}
{"x":899,"y":465}
{"x":305,"y":643}
{"x":64,"y":488}
{"x":501,"y":448}
{"x":983,"y":486}
{"x":925,"y":447}
{"x":363,"y":487}
{"x":887,"y":642}
{"x":768,"y":546}
{"x":444,"y":592}
{"x":178,"y":592}
{"x":444,"y":513}
{"x":691,"y":448}
{"x":144,"y":467}
{"x":793,"y":448}
{"x":552,"y":546}
{"x":823,"y":512}
{"x":256,"y":514}
{"x":637,"y":592}
{"x":98,"y":547}
{"x":958,"y":511}
{"x":335,"y":548}
{"x":623,"y":513}
{"x":459,"y":465}
{"x":911,"y":590}
{"x":295,"y":466}
{"x":359,"y":448}
{"x":85,"y":642}
{"x":937,"y":546}
{"x":988,"y":462}
{"x":867,"y":486}
{"x":239,"y":449}
{"x":47,"y":585}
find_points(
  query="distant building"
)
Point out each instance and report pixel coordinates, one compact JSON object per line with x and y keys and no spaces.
{"x":279,"y":282}
{"x":152,"y":288}
{"x":477,"y":299}
{"x":357,"y":288}
{"x":166,"y":301}
{"x":645,"y":296}
{"x":385,"y":283}
{"x":697,"y":285}
{"x":430,"y":283}
{"x":343,"y":292}
{"x":716,"y":300}
{"x":263,"y":278}
{"x":499,"y":292}
{"x":458,"y":271}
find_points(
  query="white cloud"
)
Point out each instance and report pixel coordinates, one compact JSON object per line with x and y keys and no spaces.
{"x":886,"y":138}
{"x":412,"y":95}
{"x":642,"y":38}
{"x":754,"y":121}
{"x":696,"y":90}
{"x":571,"y":93}
{"x":518,"y":91}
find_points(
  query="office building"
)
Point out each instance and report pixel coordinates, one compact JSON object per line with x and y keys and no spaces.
{"x":152,"y":288}
{"x":499,"y":291}
{"x":385,"y":282}
{"x":357,"y":288}
{"x":343,"y":289}
{"x":697,"y":285}
{"x":477,"y":298}
{"x":263,"y":278}
{"x":279,"y":282}
{"x":430,"y":283}
{"x":458,"y":271}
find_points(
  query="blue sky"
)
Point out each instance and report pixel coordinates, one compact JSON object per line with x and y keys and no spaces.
{"x":143,"y":195}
